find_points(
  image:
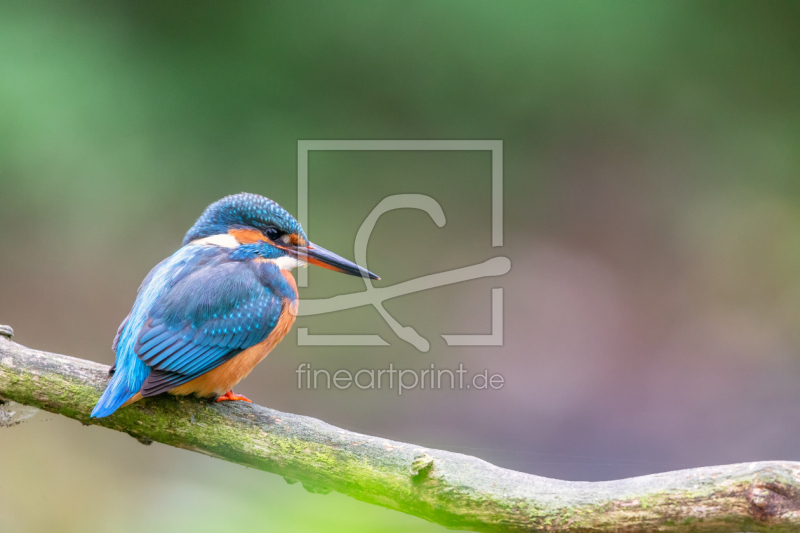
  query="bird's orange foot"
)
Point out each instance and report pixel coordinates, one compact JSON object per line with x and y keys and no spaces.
{"x":231,"y":396}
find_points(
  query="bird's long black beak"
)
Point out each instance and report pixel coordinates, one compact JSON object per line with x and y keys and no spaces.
{"x":317,"y":255}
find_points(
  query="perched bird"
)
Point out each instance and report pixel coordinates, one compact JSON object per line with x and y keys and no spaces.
{"x":205,"y":316}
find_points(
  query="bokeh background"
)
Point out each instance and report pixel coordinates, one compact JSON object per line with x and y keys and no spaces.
{"x":652,"y":217}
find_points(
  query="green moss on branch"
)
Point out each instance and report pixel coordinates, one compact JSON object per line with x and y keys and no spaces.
{"x":455,"y":490}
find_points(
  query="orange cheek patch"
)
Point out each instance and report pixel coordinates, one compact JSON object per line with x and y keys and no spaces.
{"x":295,"y":239}
{"x":247,"y":236}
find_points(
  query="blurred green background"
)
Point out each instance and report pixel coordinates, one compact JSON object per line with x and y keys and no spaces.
{"x":652,"y":216}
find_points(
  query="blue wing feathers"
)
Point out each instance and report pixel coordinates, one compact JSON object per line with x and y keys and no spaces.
{"x":119,"y":332}
{"x":194,"y":311}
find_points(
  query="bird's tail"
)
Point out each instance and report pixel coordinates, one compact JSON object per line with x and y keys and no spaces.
{"x":120,"y":389}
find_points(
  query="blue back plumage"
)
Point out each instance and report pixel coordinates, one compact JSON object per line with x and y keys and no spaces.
{"x":221,"y":307}
{"x":130,"y":371}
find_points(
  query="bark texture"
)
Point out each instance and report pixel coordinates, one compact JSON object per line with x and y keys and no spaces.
{"x":457,"y":491}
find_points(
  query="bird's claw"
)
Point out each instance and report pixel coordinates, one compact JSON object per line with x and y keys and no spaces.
{"x":231,"y":396}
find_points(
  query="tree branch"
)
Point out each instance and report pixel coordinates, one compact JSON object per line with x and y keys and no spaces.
{"x":451,"y":489}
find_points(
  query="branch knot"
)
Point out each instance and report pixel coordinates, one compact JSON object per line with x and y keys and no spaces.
{"x":421,"y":467}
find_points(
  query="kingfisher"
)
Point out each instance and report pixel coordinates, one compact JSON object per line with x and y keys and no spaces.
{"x":208,"y":314}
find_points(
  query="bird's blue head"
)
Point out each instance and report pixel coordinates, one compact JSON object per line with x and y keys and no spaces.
{"x":253,"y":222}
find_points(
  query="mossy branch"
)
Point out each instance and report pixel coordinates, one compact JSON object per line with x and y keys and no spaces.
{"x":451,"y":489}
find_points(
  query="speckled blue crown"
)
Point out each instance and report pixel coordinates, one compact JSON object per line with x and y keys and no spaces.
{"x":243,"y":209}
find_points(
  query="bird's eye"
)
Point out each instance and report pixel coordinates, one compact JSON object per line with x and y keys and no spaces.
{"x":273,"y":233}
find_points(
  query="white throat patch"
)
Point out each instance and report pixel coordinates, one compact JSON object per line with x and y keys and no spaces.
{"x":288,"y":263}
{"x":223,"y":239}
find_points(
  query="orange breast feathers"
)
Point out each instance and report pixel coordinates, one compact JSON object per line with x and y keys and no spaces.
{"x":223,"y":378}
